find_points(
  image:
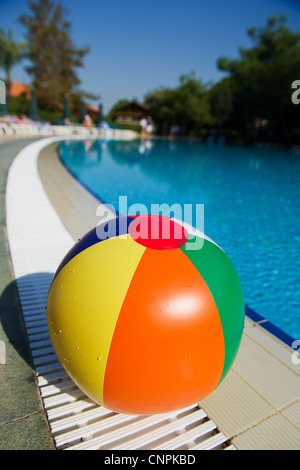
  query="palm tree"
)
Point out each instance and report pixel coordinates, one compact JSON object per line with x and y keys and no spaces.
{"x":11,"y":53}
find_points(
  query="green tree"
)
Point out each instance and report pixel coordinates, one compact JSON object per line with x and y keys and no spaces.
{"x":11,"y":53}
{"x":186,"y":106}
{"x":192,"y":108}
{"x":161,"y":104}
{"x":262,"y":77}
{"x":220,"y":97}
{"x":54,"y":57}
{"x":121,"y":102}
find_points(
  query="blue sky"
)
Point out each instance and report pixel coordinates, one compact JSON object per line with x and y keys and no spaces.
{"x":139,"y":46}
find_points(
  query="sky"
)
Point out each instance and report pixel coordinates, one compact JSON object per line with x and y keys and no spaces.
{"x":140,"y":46}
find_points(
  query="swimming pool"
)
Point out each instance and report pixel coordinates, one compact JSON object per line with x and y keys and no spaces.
{"x":251,"y":203}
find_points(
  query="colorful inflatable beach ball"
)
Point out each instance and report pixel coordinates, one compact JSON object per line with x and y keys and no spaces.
{"x":146,"y":314}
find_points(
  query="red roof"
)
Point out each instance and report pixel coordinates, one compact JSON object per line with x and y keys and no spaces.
{"x":18,"y":88}
{"x":90,"y":107}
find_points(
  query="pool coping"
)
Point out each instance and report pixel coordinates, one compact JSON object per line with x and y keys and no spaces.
{"x":270,"y":327}
{"x":259,"y":335}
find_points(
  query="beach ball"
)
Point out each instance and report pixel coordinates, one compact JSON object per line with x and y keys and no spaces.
{"x":146,"y":314}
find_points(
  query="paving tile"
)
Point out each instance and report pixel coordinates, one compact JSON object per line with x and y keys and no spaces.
{"x":274,"y":346}
{"x":292,"y":413}
{"x":235,"y":406}
{"x":271,"y":378}
{"x":275,"y":433}
{"x":29,"y":433}
{"x":75,"y":205}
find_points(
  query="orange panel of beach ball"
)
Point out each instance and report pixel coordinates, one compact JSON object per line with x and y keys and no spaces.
{"x":146,"y":314}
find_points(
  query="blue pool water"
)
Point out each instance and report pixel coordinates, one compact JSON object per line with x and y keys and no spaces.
{"x":251,"y":203}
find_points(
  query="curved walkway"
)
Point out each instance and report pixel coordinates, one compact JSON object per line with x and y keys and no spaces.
{"x":23,"y":422}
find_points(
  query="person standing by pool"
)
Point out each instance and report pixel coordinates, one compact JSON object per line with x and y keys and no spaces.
{"x":87,"y":121}
{"x":143,"y":124}
{"x":149,"y":127}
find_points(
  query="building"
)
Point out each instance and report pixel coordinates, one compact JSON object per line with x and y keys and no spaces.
{"x":19,"y":89}
{"x":130,"y":113}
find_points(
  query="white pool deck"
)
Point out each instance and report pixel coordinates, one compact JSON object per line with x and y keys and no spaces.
{"x":257,"y":406}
